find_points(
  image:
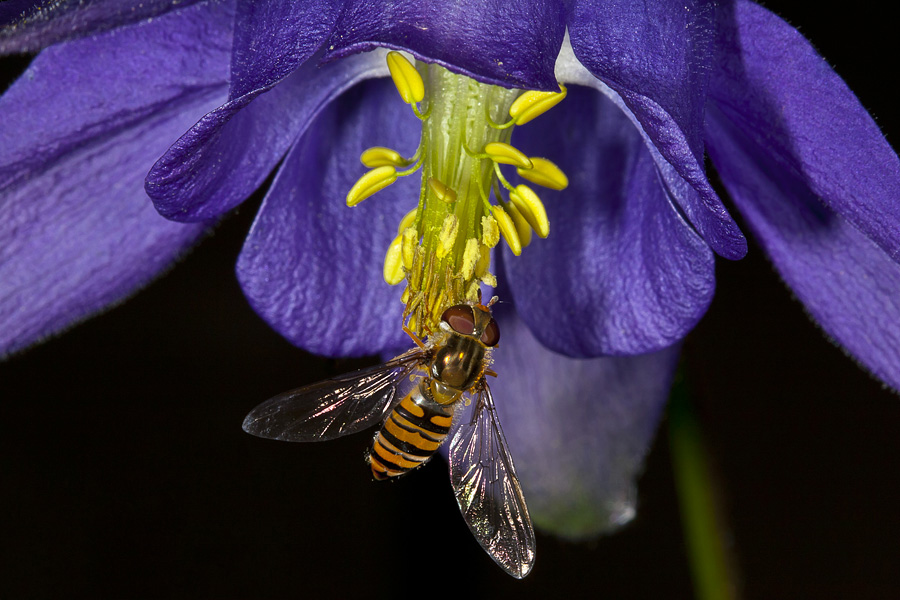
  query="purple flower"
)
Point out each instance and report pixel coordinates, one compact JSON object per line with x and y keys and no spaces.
{"x":627,"y":270}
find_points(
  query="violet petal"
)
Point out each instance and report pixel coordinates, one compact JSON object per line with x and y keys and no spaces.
{"x":273,"y":38}
{"x":230,"y":151}
{"x":77,"y":231}
{"x":73,"y":94}
{"x":311,"y":266}
{"x":578,"y":429}
{"x":494,"y":41}
{"x":28,"y":26}
{"x":621,"y":272}
{"x":848,"y":283}
{"x":785,"y":98}
{"x":656,"y":58}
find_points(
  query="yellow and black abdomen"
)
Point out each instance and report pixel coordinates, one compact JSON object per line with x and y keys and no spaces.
{"x":411,"y":434}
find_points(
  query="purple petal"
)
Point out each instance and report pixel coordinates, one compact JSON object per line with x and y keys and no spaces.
{"x":29,"y":26}
{"x":273,"y":38}
{"x":621,"y":272}
{"x":77,"y":233}
{"x":656,"y":58}
{"x":494,"y":41}
{"x":578,"y":430}
{"x":786,"y":99}
{"x":847,"y":282}
{"x":73,"y":94}
{"x":311,"y":266}
{"x":230,"y":151}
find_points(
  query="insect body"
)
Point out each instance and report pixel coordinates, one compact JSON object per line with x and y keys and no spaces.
{"x":450,"y":366}
{"x":421,"y":421}
{"x":411,"y":435}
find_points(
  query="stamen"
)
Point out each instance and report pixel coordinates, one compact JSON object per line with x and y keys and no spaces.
{"x":533,"y":104}
{"x":437,"y":304}
{"x":531,"y":207}
{"x":412,"y":169}
{"x":440,"y":190}
{"x":501,"y":179}
{"x":473,"y":294}
{"x":544,"y":173}
{"x":490,"y":231}
{"x":508,"y":229}
{"x":373,"y":181}
{"x":471,"y":256}
{"x":408,"y":81}
{"x":522,"y":226}
{"x":408,"y":247}
{"x":378,"y":156}
{"x":447,"y":238}
{"x":495,"y":125}
{"x":393,"y":265}
{"x":484,"y":261}
{"x":507,"y":155}
{"x":407,"y":220}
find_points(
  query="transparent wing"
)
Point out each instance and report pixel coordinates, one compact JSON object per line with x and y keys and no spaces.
{"x":334,"y":407}
{"x":488,"y":491}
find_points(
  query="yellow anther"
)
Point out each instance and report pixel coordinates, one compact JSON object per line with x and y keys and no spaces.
{"x":490,"y":279}
{"x":408,"y":247}
{"x":408,"y":81}
{"x":522,"y":226}
{"x":413,"y":322}
{"x":490,"y":231}
{"x":470,"y":258}
{"x":393,"y":265}
{"x":531,"y":207}
{"x":404,"y":298}
{"x":379,"y":156}
{"x":484,"y":261}
{"x":440,"y":190}
{"x":508,"y":229}
{"x":532,"y":104}
{"x":473,"y":293}
{"x":373,"y":181}
{"x":407,"y":220}
{"x":437,"y":307}
{"x":507,"y":155}
{"x":545,"y":173}
{"x":447,"y":237}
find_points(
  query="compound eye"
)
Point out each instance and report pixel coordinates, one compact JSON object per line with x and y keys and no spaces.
{"x":460,"y":318}
{"x":491,"y":334}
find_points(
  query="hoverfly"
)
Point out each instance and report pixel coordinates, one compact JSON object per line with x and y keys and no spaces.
{"x":449,"y":367}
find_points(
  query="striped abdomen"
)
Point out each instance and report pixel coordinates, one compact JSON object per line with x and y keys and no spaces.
{"x":410,"y":435}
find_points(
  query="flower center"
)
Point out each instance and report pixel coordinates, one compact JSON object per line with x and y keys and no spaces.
{"x":443,"y":246}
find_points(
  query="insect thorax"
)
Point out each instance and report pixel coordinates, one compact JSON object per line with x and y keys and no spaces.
{"x":458,"y":364}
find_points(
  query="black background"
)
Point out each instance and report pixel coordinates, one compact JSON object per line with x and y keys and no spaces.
{"x":125,"y":473}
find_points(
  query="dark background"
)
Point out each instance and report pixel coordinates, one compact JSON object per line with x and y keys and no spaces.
{"x":125,"y":473}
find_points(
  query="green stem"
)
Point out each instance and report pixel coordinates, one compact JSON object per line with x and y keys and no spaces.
{"x":711,"y":564}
